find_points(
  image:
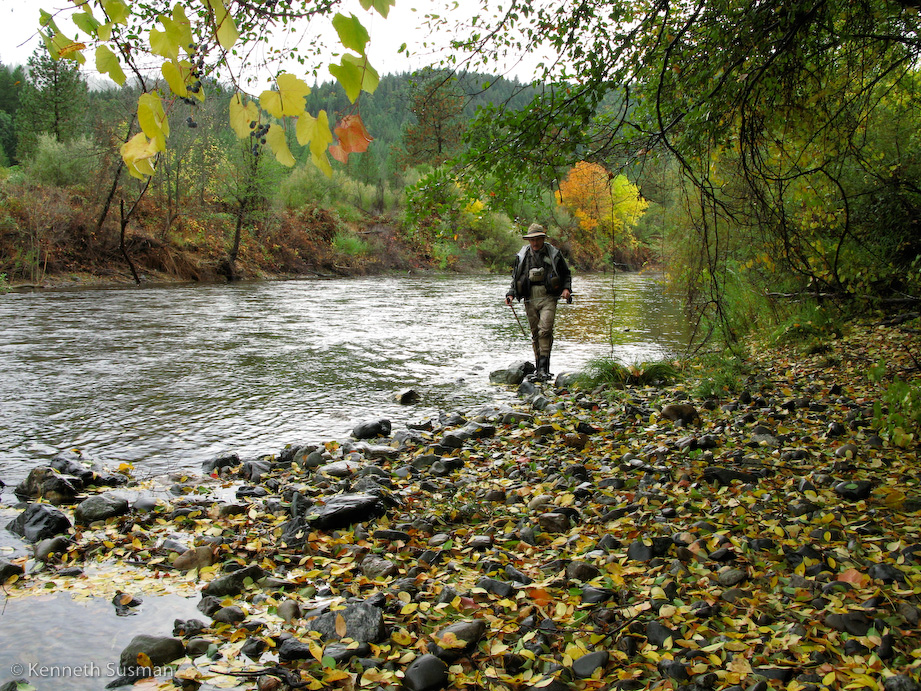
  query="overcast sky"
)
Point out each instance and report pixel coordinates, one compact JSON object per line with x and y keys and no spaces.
{"x":19,"y":22}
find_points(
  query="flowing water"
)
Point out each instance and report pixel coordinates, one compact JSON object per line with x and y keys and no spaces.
{"x":165,"y":378}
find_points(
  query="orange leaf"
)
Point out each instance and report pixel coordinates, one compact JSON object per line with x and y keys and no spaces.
{"x":353,"y":138}
{"x":540,"y":597}
{"x":854,"y":577}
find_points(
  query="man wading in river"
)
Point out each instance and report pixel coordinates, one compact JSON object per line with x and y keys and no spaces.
{"x":540,"y":278}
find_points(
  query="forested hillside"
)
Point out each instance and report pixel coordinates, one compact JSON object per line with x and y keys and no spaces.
{"x":219,"y":208}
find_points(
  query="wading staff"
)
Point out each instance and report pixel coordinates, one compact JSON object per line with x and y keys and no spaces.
{"x":524,"y":333}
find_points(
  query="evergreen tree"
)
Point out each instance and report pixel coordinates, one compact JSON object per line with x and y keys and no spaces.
{"x":438,"y":103}
{"x":12,"y":80}
{"x":53,"y":101}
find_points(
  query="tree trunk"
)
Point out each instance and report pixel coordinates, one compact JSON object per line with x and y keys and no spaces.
{"x":124,"y":249}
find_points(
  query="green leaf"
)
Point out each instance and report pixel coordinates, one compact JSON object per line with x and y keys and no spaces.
{"x":116,"y":10}
{"x":153,"y":120}
{"x":107,"y":63}
{"x":86,"y":22}
{"x":161,"y":43}
{"x":351,"y":33}
{"x":355,"y":75}
{"x":226,"y":33}
{"x":382,"y":6}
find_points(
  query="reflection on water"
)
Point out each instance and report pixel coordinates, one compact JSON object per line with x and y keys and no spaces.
{"x":56,"y":642}
{"x":167,"y":377}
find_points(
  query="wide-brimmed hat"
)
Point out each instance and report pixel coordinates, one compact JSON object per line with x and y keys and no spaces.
{"x":535,"y":230}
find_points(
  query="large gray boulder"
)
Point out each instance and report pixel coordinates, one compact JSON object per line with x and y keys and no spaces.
{"x":38,"y":522}
{"x":99,"y":507}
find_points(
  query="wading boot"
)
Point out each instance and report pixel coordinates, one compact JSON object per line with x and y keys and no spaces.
{"x":543,"y":369}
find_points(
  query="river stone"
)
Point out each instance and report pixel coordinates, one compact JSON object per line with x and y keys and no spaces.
{"x":38,"y":522}
{"x":99,"y":507}
{"x":48,"y":484}
{"x":658,"y":633}
{"x":343,"y":510}
{"x":363,"y":623}
{"x":231,"y":614}
{"x":581,"y":571}
{"x":48,"y":547}
{"x":289,"y":610}
{"x":70,"y":463}
{"x":375,"y":567}
{"x":407,"y":397}
{"x":160,"y":649}
{"x":292,"y":649}
{"x":370,"y":429}
{"x":8,"y":569}
{"x":233,"y":583}
{"x":426,"y":673}
{"x":586,"y":665}
{"x":554,"y":522}
{"x":195,"y":558}
{"x":730,"y":577}
{"x":217,"y":463}
{"x":341,"y":652}
{"x":854,"y":490}
{"x":470,"y":632}
{"x":901,"y":682}
{"x":726,"y":476}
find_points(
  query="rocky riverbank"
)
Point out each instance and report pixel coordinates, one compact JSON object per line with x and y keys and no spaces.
{"x":580,"y":540}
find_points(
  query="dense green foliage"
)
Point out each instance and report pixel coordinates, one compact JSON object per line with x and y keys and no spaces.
{"x":777,"y":140}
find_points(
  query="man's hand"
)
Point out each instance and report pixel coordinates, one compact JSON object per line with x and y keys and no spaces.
{"x":567,"y":295}
{"x":508,"y":300}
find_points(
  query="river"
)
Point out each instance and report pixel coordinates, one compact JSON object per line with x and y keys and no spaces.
{"x":167,"y":377}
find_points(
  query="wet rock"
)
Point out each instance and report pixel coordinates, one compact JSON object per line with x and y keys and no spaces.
{"x":407,"y":396}
{"x":554,"y":522}
{"x":684,"y":413}
{"x":196,"y":558}
{"x":901,"y":682}
{"x":8,"y":569}
{"x":100,"y":507}
{"x":341,"y":652}
{"x":674,"y":669}
{"x":582,"y":571}
{"x":657,"y":634}
{"x":48,"y":548}
{"x":213,"y":465}
{"x":640,"y":551}
{"x":231,"y":614}
{"x":255,"y":471}
{"x":854,"y":622}
{"x":343,"y":510}
{"x":854,"y":490}
{"x":426,"y":673}
{"x":496,"y":587}
{"x":731,"y":577}
{"x":161,"y":650}
{"x":586,"y":665}
{"x":372,"y":429}
{"x":513,"y":375}
{"x":89,"y":474}
{"x":48,"y":484}
{"x":726,"y":476}
{"x":289,"y":611}
{"x":39,"y":522}
{"x":375,"y":567}
{"x":340,"y":469}
{"x":592,"y":595}
{"x":235,"y":582}
{"x":446,"y":642}
{"x":363,"y":623}
{"x":292,"y":649}
{"x":253,"y":648}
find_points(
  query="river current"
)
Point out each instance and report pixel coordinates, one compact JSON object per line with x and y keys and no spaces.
{"x":165,"y":378}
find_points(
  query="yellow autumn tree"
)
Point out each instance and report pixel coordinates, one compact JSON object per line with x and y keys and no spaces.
{"x":606,"y":206}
